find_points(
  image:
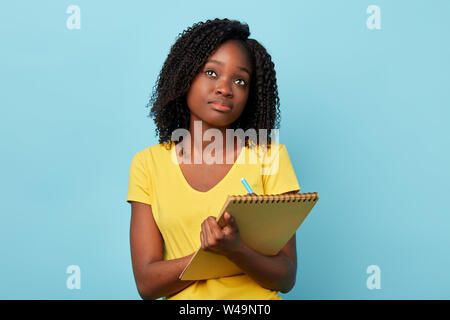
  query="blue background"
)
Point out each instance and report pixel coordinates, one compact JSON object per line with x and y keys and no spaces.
{"x":365,"y":118}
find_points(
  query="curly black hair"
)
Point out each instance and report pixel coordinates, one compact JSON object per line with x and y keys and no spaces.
{"x":187,"y":57}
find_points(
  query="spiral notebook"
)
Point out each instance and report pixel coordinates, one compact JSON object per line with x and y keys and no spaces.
{"x":266,"y":223}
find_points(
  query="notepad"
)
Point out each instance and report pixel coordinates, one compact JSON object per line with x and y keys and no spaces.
{"x":266,"y":223}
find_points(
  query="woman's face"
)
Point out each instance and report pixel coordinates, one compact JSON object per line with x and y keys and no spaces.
{"x":223,"y":80}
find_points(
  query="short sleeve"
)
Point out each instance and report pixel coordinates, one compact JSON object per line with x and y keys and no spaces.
{"x":139,"y":184}
{"x":278,"y":173}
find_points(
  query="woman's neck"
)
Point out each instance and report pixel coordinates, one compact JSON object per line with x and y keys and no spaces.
{"x":203,"y":137}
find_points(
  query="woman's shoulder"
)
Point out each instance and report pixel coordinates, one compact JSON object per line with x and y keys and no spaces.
{"x":273,"y":146}
{"x":155,"y":151}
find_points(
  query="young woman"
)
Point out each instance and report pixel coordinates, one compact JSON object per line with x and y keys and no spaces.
{"x":215,"y":78}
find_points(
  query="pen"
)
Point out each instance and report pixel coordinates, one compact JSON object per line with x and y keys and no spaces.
{"x":246,"y":186}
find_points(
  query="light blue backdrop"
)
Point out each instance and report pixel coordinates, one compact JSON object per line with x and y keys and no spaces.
{"x":365,"y":118}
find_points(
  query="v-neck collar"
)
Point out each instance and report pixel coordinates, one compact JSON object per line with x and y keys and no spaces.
{"x":217,"y":185}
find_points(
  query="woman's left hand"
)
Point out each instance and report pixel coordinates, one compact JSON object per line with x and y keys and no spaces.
{"x":220,"y":240}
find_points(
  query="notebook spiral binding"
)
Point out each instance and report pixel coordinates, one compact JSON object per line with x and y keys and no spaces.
{"x":275,"y":198}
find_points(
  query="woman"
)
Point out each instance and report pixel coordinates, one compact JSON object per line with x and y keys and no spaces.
{"x":215,"y":78}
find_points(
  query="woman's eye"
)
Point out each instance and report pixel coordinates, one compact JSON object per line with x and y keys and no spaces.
{"x":244,"y":83}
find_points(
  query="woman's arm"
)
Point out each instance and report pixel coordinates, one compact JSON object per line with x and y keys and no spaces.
{"x":272,"y":272}
{"x":155,"y":277}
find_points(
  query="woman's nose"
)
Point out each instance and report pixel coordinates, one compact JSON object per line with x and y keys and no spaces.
{"x":224,"y":88}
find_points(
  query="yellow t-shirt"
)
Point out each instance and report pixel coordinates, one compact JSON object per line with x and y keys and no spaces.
{"x":178,"y":209}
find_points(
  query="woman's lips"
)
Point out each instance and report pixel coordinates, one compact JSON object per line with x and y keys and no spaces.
{"x":220,"y":107}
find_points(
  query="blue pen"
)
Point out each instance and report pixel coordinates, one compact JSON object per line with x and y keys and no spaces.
{"x":246,"y":186}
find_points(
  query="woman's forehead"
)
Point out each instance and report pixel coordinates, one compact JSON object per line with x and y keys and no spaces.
{"x":231,"y":51}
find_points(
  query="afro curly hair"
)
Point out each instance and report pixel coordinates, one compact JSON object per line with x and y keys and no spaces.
{"x":185,"y":60}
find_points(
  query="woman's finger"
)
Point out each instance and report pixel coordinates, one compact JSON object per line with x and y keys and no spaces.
{"x":228,"y":218}
{"x":216,"y":231}
{"x":213,"y":233}
{"x":206,"y":236}
{"x":231,"y":222}
{"x":209,"y":233}
{"x":202,"y":241}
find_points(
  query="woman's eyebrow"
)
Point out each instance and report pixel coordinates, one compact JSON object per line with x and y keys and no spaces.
{"x":221,"y":63}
